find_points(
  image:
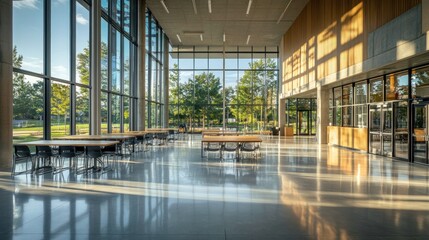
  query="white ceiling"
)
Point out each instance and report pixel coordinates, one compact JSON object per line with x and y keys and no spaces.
{"x":229,"y":17}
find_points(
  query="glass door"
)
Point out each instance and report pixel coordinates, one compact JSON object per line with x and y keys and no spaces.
{"x":375,"y":129}
{"x":303,"y":122}
{"x":387,"y":121}
{"x":420,"y":132}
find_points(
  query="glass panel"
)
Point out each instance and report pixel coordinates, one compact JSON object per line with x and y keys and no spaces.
{"x":186,"y":61}
{"x":126,"y":15}
{"x":104,"y":112}
{"x":397,"y":86}
{"x":127,"y":65}
{"x":361,"y":93}
{"x":374,"y":143}
{"x":173,"y":61}
{"x":116,"y":10}
{"x":201,"y":61}
{"x":387,"y":144}
{"x":348,"y":95}
{"x":82,"y":110}
{"x":60,"y":39}
{"x":347,"y":116}
{"x":303,"y":122}
{"x":126,"y":114}
{"x":338,"y":116}
{"x":376,"y":90}
{"x":401,"y":129}
{"x":361,"y":116}
{"x":387,"y":118}
{"x":215,"y":61}
{"x":375,"y":118}
{"x":28,"y":29}
{"x":116,"y":113}
{"x":116,"y":61}
{"x":244,"y":61}
{"x":104,"y":54}
{"x":82,"y":45}
{"x":419,"y":133}
{"x":420,"y":82}
{"x":105,"y":5}
{"x":231,"y":61}
{"x":60,"y":109}
{"x":272,"y":59}
{"x":28,"y":107}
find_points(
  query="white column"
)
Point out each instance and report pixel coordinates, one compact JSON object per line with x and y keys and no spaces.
{"x":282,"y":102}
{"x":96,"y":68}
{"x":141,"y":26}
{"x":166,"y":81}
{"x":6,"y":86}
{"x":322,"y":114}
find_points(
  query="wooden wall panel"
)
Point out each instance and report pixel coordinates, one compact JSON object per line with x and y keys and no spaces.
{"x":356,"y":138}
{"x":331,"y":35}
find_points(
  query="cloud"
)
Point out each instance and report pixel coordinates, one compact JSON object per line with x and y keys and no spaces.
{"x":20,"y":4}
{"x":81,"y":19}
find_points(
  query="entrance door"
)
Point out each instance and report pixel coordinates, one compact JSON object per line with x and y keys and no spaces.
{"x":420,"y":133}
{"x":303,"y":122}
{"x":380,"y":129}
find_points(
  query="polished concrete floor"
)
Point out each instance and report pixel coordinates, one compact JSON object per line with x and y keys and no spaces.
{"x":296,"y":190}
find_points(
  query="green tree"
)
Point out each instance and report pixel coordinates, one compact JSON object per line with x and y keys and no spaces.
{"x":256,"y":93}
{"x":27,"y":97}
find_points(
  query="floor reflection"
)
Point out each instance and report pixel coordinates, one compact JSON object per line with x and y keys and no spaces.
{"x":297,"y":189}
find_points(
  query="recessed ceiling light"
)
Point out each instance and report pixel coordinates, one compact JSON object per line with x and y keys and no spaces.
{"x":283,"y":13}
{"x":195,"y":6}
{"x":248,"y":7}
{"x":201,"y":36}
{"x":210,"y":6}
{"x":165,"y":6}
{"x":248,"y":39}
{"x":224,"y":37}
{"x":178,"y":37}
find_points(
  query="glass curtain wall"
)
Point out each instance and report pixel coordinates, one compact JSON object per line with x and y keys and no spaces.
{"x":155,"y":51}
{"x":51,"y":60}
{"x":203,"y":79}
{"x":301,"y":114}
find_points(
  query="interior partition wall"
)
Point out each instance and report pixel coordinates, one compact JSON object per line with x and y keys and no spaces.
{"x":51,"y":60}
{"x":216,"y":87}
{"x":394,"y":109}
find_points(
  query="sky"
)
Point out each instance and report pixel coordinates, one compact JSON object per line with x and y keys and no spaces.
{"x":28,"y":34}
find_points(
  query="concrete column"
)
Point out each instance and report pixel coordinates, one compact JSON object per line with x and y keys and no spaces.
{"x":282,"y":102}
{"x":96,"y":68}
{"x":6,"y":85}
{"x":141,"y":105}
{"x":282,"y":116}
{"x":322,"y":114}
{"x":166,"y":81}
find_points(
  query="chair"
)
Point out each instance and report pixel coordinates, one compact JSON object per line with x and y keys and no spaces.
{"x":250,"y":148}
{"x":129,"y":144}
{"x":94,"y":152}
{"x":22,"y":153}
{"x":213,"y":147}
{"x":71,"y":153}
{"x":149,"y":138}
{"x":171,"y":135}
{"x":230,"y":147}
{"x":45,"y":153}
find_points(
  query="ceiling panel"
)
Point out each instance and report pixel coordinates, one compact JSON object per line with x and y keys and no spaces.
{"x":229,"y":17}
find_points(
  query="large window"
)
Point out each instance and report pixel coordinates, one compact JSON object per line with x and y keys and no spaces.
{"x":200,"y":85}
{"x":154,"y":72}
{"x":51,"y":61}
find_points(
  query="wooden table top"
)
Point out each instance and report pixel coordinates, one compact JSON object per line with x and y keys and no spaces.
{"x":75,"y":143}
{"x":110,"y":136}
{"x":231,"y":139}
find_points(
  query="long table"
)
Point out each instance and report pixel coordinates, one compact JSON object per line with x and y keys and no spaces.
{"x":73,"y":143}
{"x":226,"y":139}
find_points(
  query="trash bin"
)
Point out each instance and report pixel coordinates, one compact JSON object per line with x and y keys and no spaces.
{"x":275,"y":131}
